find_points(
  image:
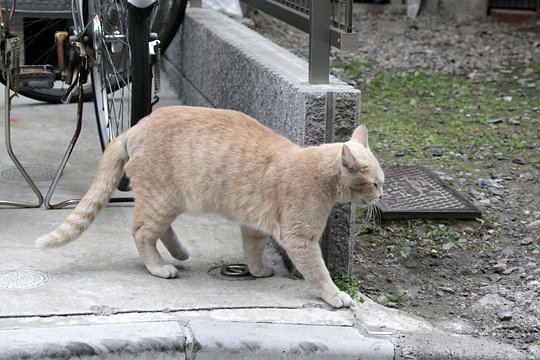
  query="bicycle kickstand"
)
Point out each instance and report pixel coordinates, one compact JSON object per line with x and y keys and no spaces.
{"x":7,"y":54}
{"x":80,"y":80}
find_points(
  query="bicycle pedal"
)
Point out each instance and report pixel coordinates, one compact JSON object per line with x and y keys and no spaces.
{"x":36,"y":77}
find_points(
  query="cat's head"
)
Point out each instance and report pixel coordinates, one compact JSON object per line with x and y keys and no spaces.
{"x":361,"y":175}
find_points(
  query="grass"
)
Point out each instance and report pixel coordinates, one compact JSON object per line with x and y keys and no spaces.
{"x":443,"y":120}
{"x":397,"y":300}
{"x":349,"y":284}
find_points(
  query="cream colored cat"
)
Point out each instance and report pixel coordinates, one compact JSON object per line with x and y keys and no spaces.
{"x":200,"y":160}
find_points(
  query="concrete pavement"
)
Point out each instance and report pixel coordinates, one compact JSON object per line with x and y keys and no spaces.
{"x":95,"y":299}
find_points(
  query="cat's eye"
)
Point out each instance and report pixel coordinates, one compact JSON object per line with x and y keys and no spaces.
{"x":376,"y":185}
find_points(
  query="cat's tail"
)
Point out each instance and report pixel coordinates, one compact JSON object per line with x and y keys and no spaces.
{"x":108,"y":175}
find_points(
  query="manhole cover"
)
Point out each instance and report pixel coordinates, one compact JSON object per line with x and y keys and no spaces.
{"x":22,"y":279}
{"x":415,"y":192}
{"x":36,"y":172}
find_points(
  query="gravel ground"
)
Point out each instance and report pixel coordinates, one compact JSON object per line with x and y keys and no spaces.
{"x":466,"y":277}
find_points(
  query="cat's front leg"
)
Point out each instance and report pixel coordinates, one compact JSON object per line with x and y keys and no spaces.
{"x":254,"y":243}
{"x":306,"y":256}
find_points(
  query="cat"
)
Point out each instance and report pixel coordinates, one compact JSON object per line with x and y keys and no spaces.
{"x":202,"y":160}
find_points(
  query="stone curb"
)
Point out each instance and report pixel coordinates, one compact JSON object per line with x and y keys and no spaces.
{"x":198,"y":339}
{"x":111,"y":341}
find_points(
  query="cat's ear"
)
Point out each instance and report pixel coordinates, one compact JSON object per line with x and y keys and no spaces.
{"x":360,"y":135}
{"x":349,"y":160}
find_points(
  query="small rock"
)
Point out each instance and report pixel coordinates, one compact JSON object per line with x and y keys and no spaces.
{"x":519,"y":161}
{"x":510,"y":270}
{"x":504,"y":314}
{"x":499,"y":156}
{"x":491,"y":300}
{"x":526,"y":177}
{"x":437,"y":152}
{"x":508,"y":251}
{"x":405,"y":251}
{"x":534,"y":285}
{"x":488,"y":289}
{"x":527,"y":241}
{"x":494,"y":277}
{"x":514,"y":120}
{"x":477,"y":195}
{"x":448,"y":246}
{"x":481,"y":182}
{"x":499,"y":268}
{"x":534,"y":225}
{"x":448,"y":290}
{"x":382,"y":299}
{"x":496,"y":121}
{"x":529,"y":339}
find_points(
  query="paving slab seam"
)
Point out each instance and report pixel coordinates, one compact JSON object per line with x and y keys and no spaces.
{"x":168,"y":311}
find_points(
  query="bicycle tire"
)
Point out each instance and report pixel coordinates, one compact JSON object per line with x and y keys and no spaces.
{"x":141,"y":75}
{"x":169,"y":18}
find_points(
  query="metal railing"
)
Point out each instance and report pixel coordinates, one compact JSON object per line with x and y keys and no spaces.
{"x":328,"y":23}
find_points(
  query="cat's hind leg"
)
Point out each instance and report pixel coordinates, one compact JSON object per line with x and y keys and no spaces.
{"x":146,"y":230}
{"x":174,"y":245}
{"x":254,"y":242}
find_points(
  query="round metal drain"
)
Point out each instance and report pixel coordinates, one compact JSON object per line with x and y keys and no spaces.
{"x":36,"y":172}
{"x":22,"y":279}
{"x":232,"y":272}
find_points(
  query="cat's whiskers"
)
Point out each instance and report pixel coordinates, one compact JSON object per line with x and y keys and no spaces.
{"x":374,"y":213}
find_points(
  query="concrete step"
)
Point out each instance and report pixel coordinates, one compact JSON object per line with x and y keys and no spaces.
{"x":194,"y":340}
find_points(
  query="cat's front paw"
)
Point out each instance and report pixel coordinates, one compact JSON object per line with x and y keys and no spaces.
{"x":338,"y":299}
{"x":262,"y":273}
{"x":167,"y":271}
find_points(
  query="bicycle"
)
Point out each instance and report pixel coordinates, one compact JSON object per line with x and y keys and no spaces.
{"x":110,"y":40}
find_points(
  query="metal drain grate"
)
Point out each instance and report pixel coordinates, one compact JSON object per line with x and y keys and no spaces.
{"x":36,"y":172}
{"x":412,"y":192}
{"x":22,"y":279}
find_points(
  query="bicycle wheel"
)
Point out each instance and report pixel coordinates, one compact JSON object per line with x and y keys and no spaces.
{"x":35,"y":22}
{"x":120,"y":67}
